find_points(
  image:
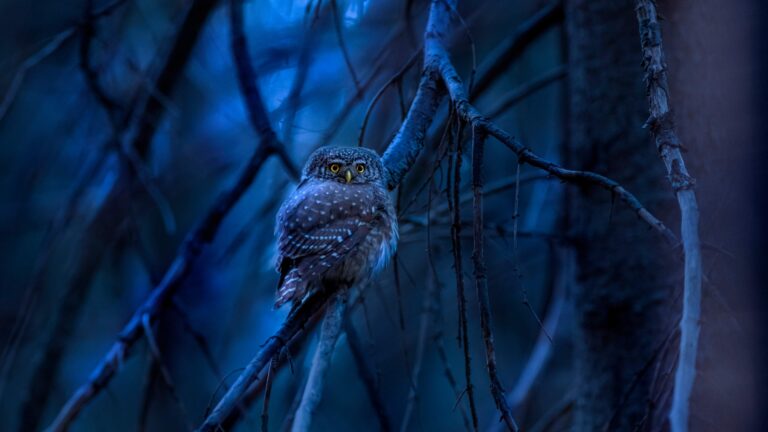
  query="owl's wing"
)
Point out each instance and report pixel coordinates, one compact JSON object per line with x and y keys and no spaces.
{"x":306,"y":256}
{"x":316,"y":230}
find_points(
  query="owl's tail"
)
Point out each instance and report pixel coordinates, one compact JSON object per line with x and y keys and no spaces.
{"x":290,"y":287}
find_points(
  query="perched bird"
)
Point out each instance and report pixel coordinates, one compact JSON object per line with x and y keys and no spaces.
{"x":338,"y":227}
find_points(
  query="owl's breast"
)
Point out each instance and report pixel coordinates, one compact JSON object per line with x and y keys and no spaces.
{"x":373,"y":205}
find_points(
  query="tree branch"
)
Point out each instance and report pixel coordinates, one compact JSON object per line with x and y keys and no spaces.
{"x":367,"y":374}
{"x":481,"y":281}
{"x":668,"y":144}
{"x":247,"y":79}
{"x":161,"y":295}
{"x":292,"y":325}
{"x":267,"y":394}
{"x":461,"y":299}
{"x":564,"y":265}
{"x":470,"y":114}
{"x":202,"y":235}
{"x":154,"y":348}
{"x":514,"y":96}
{"x":511,"y":48}
{"x":400,"y":157}
{"x":55,"y":43}
{"x":182,"y":49}
{"x":329,"y":334}
{"x":396,"y":78}
{"x":342,"y":45}
{"x":426,"y":318}
{"x":409,"y":141}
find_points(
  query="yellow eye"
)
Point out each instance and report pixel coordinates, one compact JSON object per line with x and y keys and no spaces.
{"x":334,"y":168}
{"x":360,"y":168}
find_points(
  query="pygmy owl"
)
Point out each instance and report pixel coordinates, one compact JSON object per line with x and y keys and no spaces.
{"x":338,"y":227}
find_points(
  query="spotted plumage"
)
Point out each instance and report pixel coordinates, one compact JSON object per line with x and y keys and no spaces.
{"x":338,"y":227}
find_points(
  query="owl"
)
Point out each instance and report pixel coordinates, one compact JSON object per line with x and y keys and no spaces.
{"x":338,"y":227}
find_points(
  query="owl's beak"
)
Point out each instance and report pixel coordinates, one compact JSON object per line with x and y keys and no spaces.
{"x":348,"y":176}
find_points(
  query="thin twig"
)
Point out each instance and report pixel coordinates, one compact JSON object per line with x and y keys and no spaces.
{"x":367,"y":374}
{"x":396,"y":78}
{"x":481,"y":281}
{"x":513,"y":97}
{"x":181,"y":267}
{"x":469,"y":113}
{"x":299,"y":81}
{"x":329,"y":334}
{"x":199,"y":338}
{"x":255,"y":389}
{"x":119,"y":124}
{"x":247,"y":80}
{"x":564,"y":265}
{"x":112,"y":212}
{"x":149,"y":392}
{"x":425,"y":320}
{"x":55,"y":43}
{"x":343,"y":45}
{"x":492,"y":188}
{"x":668,"y":144}
{"x":267,"y":395}
{"x":461,"y":300}
{"x":509,"y":49}
{"x":292,"y":325}
{"x":154,"y":348}
{"x":437,"y":315}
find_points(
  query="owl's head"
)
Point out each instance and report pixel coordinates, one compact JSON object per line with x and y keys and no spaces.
{"x":349,"y":165}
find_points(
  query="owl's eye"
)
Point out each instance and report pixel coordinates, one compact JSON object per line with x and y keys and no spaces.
{"x":334,"y":167}
{"x":360,"y":168}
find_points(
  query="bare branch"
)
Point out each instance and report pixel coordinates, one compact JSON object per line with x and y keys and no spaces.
{"x":469,"y":113}
{"x":343,"y":45}
{"x":111,"y":213}
{"x":246,"y":76}
{"x":396,"y":78}
{"x":55,"y":43}
{"x":161,"y":294}
{"x":292,"y":325}
{"x":181,"y":50}
{"x":267,"y":395}
{"x":461,"y":299}
{"x":119,"y":123}
{"x":565,"y":267}
{"x":367,"y":374}
{"x":511,"y":48}
{"x":401,"y":155}
{"x":259,"y":382}
{"x":426,"y":319}
{"x":668,"y":144}
{"x":202,"y":235}
{"x":481,"y":281}
{"x":516,"y":95}
{"x":438,"y":339}
{"x":564,"y":263}
{"x":329,"y":334}
{"x":154,"y":348}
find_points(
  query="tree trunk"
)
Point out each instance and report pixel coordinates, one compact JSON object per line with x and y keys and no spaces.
{"x":627,"y":274}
